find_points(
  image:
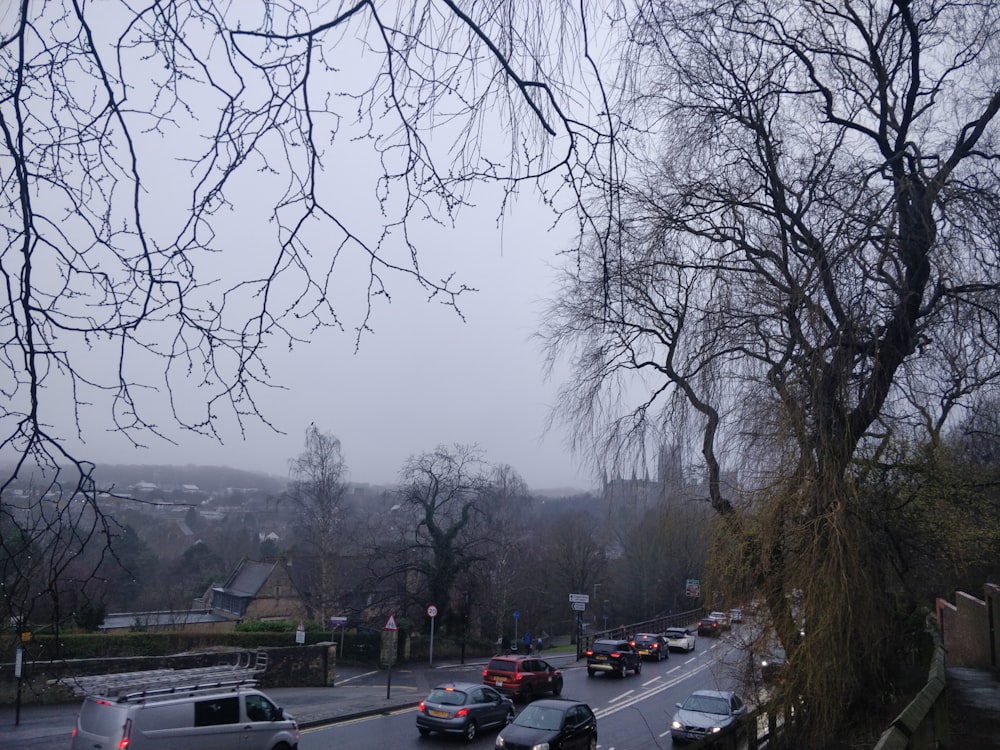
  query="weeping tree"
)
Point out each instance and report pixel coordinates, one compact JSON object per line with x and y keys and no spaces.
{"x":806,"y":270}
{"x":192,"y":187}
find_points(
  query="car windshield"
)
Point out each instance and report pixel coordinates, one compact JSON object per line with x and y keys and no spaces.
{"x":446,"y":697}
{"x":538,"y":717}
{"x":706,"y":704}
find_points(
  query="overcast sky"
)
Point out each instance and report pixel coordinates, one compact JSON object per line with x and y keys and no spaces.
{"x":424,"y":377}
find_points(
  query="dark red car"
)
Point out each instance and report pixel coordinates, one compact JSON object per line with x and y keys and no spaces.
{"x":522,"y":676}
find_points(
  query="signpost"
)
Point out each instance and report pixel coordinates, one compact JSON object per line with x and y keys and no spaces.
{"x":300,"y":634}
{"x":432,"y":613}
{"x":514,"y":642}
{"x":578,"y":602}
{"x":390,"y":628}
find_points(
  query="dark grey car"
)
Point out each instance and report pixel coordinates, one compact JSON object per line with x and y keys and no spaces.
{"x":463,"y":708}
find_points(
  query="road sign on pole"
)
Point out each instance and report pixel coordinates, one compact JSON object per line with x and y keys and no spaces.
{"x":579,"y":598}
{"x":578,"y":606}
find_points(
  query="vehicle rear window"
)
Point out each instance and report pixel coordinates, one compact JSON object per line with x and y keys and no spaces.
{"x":607,"y":648}
{"x":502,"y":665}
{"x":447,"y":697}
{"x":675,"y":634}
{"x":102,"y":718}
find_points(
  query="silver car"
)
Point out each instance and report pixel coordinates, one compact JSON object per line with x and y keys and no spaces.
{"x":463,"y":708}
{"x":706,"y":712}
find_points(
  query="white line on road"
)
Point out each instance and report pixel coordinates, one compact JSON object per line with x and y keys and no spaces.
{"x":624,"y":695}
{"x":650,"y":682}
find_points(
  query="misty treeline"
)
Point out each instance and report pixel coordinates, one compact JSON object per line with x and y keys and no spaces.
{"x":786,"y":259}
{"x":456,"y":531}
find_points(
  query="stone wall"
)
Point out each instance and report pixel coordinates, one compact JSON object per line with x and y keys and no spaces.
{"x":969,"y":638}
{"x":295,"y":666}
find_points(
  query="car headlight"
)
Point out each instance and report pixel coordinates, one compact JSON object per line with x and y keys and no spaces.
{"x":499,"y":742}
{"x":676,"y":724}
{"x":713,"y":730}
{"x":540,"y":746}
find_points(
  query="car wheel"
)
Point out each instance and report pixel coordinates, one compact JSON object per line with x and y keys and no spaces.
{"x":510,"y":717}
{"x":557,"y":686}
{"x":622,"y":671}
{"x":590,"y":673}
{"x":528,"y":695}
{"x":424,"y":731}
{"x":593,"y":743}
{"x":470,"y":731}
{"x":638,"y":667}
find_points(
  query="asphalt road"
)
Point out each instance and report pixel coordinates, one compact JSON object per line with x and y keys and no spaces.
{"x":632,"y":713}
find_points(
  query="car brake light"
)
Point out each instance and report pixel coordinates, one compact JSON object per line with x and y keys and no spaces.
{"x":615,"y":654}
{"x":461,"y":712}
{"x":484,"y":673}
{"x":421,"y":706}
{"x":126,"y":735}
{"x":589,"y":652}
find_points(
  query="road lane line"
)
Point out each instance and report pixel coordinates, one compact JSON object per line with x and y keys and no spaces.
{"x":624,"y":695}
{"x":650,"y":682}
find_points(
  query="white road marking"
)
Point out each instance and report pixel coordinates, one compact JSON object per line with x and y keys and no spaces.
{"x":650,"y":682}
{"x":624,"y":695}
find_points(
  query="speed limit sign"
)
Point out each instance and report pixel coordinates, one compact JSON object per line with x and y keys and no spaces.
{"x":432,"y":611}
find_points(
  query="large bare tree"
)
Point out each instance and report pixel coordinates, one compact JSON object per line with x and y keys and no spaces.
{"x":184,"y":198}
{"x":806,"y":270}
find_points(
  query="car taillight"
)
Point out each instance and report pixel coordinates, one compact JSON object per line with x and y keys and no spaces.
{"x":461,"y":712}
{"x":126,"y":735}
{"x":633,"y":644}
{"x":615,"y":654}
{"x":420,"y":706}
{"x":589,"y":653}
{"x":484,"y":673}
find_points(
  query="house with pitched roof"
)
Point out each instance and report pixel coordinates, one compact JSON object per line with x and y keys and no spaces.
{"x":259,"y":590}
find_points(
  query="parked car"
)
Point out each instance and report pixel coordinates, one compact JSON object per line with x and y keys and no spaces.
{"x":681,"y":639}
{"x":522,"y":676}
{"x":551,"y":723}
{"x":651,"y":646}
{"x":736,"y":616}
{"x":722,"y":618}
{"x":463,"y":708}
{"x":706,"y":712}
{"x":212,"y":718}
{"x":608,"y":655}
{"x":710,"y":627}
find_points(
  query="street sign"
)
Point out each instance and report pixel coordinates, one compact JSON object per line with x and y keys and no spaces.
{"x":579,"y":606}
{"x":432,"y":611}
{"x":300,"y":634}
{"x":390,"y":624}
{"x":338,"y":621}
{"x":579,"y":598}
{"x":516,"y":614}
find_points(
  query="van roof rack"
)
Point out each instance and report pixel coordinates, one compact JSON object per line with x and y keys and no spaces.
{"x":125,"y":686}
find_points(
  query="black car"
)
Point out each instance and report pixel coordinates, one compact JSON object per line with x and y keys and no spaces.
{"x":553,"y":723}
{"x":608,"y":655}
{"x":651,"y":646}
{"x":463,"y":708}
{"x":710,"y":627}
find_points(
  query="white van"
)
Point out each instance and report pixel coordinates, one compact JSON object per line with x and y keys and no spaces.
{"x":239,"y":718}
